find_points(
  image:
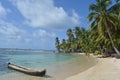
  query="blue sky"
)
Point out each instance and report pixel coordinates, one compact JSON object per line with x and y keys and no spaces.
{"x":34,"y":24}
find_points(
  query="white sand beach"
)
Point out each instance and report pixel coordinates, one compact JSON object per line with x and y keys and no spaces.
{"x":105,"y":69}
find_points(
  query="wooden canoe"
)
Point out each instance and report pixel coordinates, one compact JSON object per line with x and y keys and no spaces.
{"x":27,"y":70}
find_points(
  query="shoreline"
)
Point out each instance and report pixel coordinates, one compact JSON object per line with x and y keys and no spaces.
{"x":105,"y":69}
{"x":64,"y":72}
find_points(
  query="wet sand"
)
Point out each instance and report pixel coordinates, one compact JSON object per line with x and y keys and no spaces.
{"x":105,"y":69}
{"x":19,"y":76}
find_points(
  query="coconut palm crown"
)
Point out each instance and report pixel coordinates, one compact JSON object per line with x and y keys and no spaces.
{"x":104,"y":19}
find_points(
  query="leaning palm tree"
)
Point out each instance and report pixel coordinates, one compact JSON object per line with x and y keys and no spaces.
{"x":103,"y":19}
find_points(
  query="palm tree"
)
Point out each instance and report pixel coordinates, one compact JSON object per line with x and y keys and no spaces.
{"x":57,"y":43}
{"x":82,"y":39}
{"x":77,"y":32}
{"x":85,"y":41}
{"x":103,"y":19}
{"x":70,"y":36}
{"x":74,"y":46}
{"x":64,"y":46}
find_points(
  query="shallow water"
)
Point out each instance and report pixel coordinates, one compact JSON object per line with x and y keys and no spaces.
{"x":59,"y":66}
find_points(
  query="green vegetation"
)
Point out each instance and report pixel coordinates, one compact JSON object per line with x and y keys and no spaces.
{"x":103,"y":33}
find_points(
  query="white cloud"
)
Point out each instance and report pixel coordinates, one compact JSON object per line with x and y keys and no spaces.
{"x":10,"y":32}
{"x":13,"y":36}
{"x":43,"y":39}
{"x":43,"y":34}
{"x":43,"y":13}
{"x":3,"y":11}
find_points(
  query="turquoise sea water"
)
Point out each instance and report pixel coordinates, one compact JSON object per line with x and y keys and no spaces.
{"x":32,"y":59}
{"x":56,"y":64}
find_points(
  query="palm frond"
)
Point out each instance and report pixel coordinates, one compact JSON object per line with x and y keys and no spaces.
{"x":107,"y":2}
{"x":94,"y":7}
{"x":115,"y":8}
{"x":113,"y":20}
{"x":117,"y":1}
{"x":93,"y":25}
{"x":92,"y":16}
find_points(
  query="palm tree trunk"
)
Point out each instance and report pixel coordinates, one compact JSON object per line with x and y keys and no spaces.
{"x":116,"y":50}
